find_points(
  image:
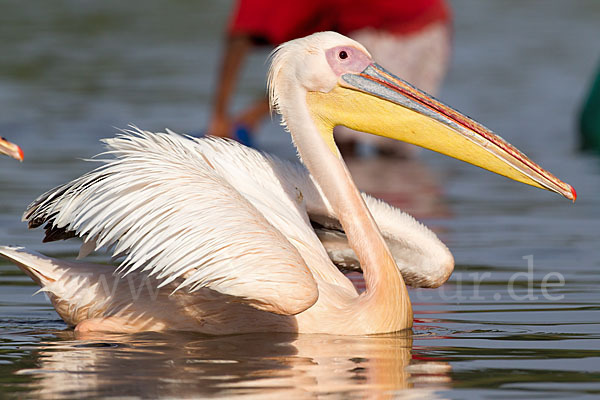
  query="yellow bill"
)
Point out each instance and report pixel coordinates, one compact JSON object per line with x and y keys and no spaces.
{"x":377,"y":102}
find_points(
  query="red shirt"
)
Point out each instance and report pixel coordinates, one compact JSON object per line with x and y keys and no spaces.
{"x":278,"y":21}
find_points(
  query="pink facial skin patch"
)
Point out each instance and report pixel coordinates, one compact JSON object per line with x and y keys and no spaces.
{"x":344,"y":59}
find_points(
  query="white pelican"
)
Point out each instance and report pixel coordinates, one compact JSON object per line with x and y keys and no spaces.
{"x":10,"y":149}
{"x":225,"y":231}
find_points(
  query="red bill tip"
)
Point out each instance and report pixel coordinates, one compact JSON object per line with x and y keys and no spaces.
{"x":21,"y":155}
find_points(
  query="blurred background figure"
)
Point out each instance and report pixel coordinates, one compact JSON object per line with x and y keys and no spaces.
{"x":410,"y":37}
{"x":589,"y":122}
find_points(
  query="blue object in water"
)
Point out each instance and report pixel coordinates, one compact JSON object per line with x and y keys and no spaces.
{"x":241,"y":134}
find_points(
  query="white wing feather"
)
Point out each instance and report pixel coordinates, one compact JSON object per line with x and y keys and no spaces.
{"x":182,"y":208}
{"x":164,"y":205}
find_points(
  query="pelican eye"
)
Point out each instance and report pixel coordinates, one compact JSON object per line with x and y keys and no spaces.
{"x":343,"y":55}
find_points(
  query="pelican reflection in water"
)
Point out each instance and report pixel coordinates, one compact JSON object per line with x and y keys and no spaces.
{"x":264,"y":365}
{"x":228,"y":233}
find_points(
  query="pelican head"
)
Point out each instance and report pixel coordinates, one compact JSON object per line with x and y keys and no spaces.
{"x":341,"y":85}
{"x":10,"y":149}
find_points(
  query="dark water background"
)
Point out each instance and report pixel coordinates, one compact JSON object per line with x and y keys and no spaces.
{"x":72,"y":70}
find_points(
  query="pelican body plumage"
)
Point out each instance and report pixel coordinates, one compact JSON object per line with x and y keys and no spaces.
{"x":214,"y":237}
